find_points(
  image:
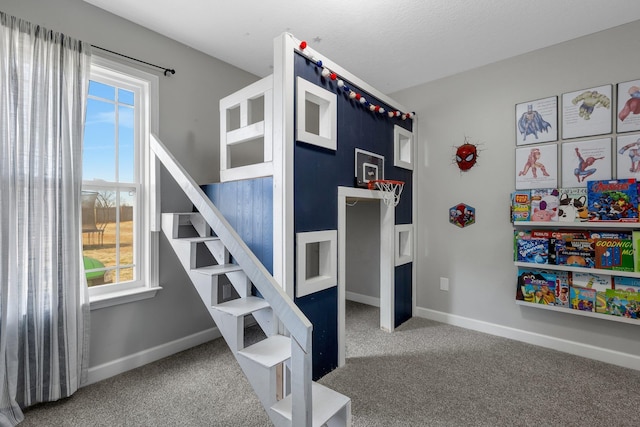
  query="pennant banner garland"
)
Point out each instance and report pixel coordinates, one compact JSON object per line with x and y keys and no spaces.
{"x":328,"y":74}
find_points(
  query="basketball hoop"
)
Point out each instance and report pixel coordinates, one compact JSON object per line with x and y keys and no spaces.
{"x":392,"y":190}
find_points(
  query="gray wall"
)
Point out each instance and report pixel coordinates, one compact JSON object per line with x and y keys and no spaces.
{"x":189,"y":126}
{"x":362,"y":257}
{"x":480,"y":105}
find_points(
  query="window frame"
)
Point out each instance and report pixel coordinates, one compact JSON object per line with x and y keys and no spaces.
{"x":146,"y":239}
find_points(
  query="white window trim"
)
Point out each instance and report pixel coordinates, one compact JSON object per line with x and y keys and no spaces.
{"x":148,"y":284}
{"x":403,"y":256}
{"x":328,"y":261}
{"x":328,"y":105}
{"x":402,"y":158}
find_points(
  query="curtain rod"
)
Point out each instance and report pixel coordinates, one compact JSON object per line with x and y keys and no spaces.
{"x":167,"y":71}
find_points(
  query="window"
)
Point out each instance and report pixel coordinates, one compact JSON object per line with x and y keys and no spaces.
{"x":119,"y":248}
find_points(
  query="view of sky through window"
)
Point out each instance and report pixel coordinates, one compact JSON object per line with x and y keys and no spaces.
{"x":109,"y":135}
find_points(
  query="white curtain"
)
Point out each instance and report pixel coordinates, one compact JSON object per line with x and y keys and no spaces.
{"x":44,"y":305}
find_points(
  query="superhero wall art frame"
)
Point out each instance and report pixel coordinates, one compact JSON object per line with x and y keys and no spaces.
{"x":628,"y":113}
{"x":537,"y":121}
{"x":587,"y":112}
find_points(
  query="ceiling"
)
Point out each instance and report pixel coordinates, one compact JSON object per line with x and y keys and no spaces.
{"x":390,"y":45}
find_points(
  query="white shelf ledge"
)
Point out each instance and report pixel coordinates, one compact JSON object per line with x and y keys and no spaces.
{"x":585,"y":225}
{"x":580,"y":312}
{"x":580,"y":269}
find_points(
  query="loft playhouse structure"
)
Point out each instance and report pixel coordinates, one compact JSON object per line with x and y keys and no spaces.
{"x":298,"y":223}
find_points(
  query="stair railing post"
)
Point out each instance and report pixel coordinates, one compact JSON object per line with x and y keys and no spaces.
{"x":301,"y":379}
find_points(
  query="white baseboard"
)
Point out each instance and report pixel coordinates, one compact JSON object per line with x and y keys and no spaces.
{"x":363,"y":299}
{"x":124,"y":364}
{"x":572,"y":347}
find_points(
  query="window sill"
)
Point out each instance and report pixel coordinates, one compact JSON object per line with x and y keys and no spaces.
{"x":122,"y":297}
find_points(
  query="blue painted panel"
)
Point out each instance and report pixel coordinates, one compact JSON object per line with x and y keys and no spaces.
{"x":248,"y":206}
{"x":321,"y":308}
{"x":317,"y":174}
{"x":402,"y":294}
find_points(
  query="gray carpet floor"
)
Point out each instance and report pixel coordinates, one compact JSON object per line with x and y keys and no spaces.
{"x":424,"y":374}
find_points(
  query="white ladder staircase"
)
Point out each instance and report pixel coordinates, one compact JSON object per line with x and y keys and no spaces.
{"x":279,"y":366}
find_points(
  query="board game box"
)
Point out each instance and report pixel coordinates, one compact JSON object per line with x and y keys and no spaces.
{"x":530,"y":249}
{"x":575,"y":250}
{"x":614,"y":200}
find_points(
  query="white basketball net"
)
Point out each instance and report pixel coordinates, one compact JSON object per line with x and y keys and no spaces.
{"x":391,"y":191}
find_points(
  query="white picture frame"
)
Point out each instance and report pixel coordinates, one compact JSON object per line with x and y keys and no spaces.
{"x":587,"y":112}
{"x":628,"y":111}
{"x":628,"y":156}
{"x":537,"y":121}
{"x":584,"y":161}
{"x":537,"y":167}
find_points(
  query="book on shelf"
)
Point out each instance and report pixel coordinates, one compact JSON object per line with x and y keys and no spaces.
{"x":563,"y":286}
{"x":544,"y":204}
{"x":601,"y":302}
{"x":573,"y":205}
{"x":586,"y":279}
{"x":623,"y":303}
{"x":536,"y":286}
{"x":627,"y":284}
{"x":614,"y":254}
{"x":520,"y":205}
{"x":635,"y":239}
{"x":600,"y":283}
{"x":613,"y":200}
{"x":583,"y":298}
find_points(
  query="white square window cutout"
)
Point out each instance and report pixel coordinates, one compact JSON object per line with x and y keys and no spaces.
{"x":403,"y":244}
{"x":317,"y":113}
{"x":317,"y":261}
{"x":402,"y":148}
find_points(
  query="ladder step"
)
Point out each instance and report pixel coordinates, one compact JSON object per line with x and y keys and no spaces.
{"x":242,"y":306}
{"x":216,"y":270}
{"x":326,"y":403}
{"x":270,"y":351}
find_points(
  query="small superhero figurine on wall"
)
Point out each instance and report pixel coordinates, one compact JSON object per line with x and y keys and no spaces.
{"x":466,"y":155}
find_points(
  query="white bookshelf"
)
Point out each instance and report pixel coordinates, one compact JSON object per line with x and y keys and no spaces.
{"x":587,"y":225}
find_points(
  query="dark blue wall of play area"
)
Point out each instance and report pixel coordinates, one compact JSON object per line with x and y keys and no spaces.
{"x":318,"y":172}
{"x":248,"y":206}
